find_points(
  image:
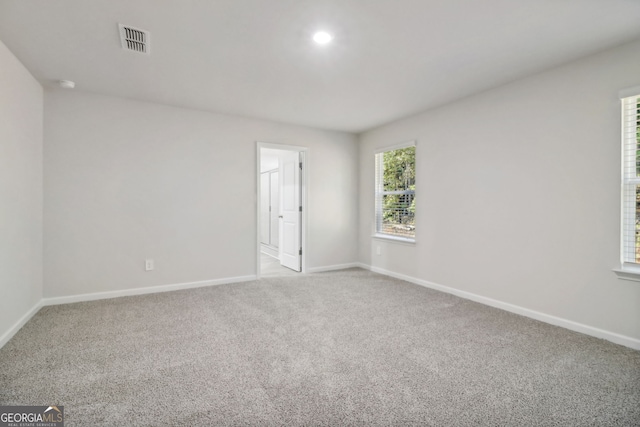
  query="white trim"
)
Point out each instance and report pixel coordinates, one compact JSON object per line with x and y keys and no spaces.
{"x":333,"y":267}
{"x":304,"y":201}
{"x":142,"y":291}
{"x":276,"y":146}
{"x":115,"y":294}
{"x":628,"y":92}
{"x":20,"y":323}
{"x":269,"y":251}
{"x":625,"y":273}
{"x":547,"y":318}
{"x":394,"y":239}
{"x":406,"y":144}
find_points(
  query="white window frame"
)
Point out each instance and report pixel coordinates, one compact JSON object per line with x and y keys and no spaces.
{"x":629,"y":269}
{"x":379,"y":192}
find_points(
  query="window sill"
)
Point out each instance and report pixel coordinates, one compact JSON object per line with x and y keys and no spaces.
{"x":628,"y":273}
{"x":395,"y":239}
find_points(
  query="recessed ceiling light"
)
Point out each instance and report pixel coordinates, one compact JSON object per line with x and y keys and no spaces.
{"x":67,"y":84}
{"x":322,"y":37}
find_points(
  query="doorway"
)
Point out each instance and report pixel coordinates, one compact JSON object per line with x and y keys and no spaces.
{"x":281,"y":209}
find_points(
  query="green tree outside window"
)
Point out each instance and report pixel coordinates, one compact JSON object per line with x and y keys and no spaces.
{"x":396,"y":192}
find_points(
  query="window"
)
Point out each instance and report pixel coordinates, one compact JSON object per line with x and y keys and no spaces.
{"x":631,"y":181}
{"x":396,"y":192}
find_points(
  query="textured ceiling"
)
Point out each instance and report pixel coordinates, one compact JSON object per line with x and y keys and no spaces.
{"x":255,"y":58}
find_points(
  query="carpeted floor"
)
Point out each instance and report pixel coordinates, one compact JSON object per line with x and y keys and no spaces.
{"x":339,"y":348}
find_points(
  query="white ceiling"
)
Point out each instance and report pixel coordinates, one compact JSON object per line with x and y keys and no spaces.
{"x":255,"y":58}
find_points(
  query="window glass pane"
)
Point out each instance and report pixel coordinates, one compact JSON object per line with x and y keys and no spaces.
{"x":399,"y":169}
{"x":398,"y":214}
{"x":396,"y":184}
{"x":637,"y":225}
{"x":637,"y":137}
{"x":630,"y":174}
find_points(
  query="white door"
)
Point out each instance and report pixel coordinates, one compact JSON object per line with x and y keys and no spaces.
{"x":290,"y":211}
{"x":265,"y":213}
{"x":274,"y":202}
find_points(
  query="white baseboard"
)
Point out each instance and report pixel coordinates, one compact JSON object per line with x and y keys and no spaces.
{"x":114,"y":294}
{"x":557,"y":321}
{"x":333,"y":267}
{"x":269,"y":250}
{"x":141,"y":291}
{"x":547,"y":318}
{"x":19,"y":324}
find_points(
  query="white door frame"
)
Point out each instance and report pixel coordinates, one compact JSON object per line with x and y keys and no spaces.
{"x":304,"y":178}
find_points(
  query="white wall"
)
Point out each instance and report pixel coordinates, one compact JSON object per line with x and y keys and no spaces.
{"x":270,"y":159}
{"x":518,"y":194}
{"x":20,"y":192}
{"x":127,"y":180}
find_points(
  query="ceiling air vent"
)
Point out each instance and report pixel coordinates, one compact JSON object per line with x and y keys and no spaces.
{"x":134,"y":39}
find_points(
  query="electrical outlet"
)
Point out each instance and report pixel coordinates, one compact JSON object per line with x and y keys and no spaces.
{"x":148,"y":264}
{"x":378,"y":250}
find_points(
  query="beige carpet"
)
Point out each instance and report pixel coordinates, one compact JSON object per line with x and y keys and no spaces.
{"x":339,"y":348}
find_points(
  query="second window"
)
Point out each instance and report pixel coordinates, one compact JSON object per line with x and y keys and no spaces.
{"x":396,"y":192}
